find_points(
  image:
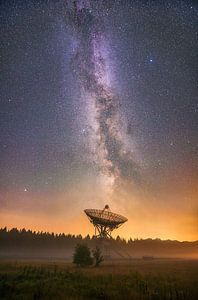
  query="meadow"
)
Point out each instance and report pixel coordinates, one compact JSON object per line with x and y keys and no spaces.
{"x":167,"y":279}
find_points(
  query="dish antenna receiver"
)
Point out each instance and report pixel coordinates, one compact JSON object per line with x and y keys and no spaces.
{"x":104,"y":221}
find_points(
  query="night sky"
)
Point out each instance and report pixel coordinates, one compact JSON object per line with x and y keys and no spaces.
{"x":99,"y":106}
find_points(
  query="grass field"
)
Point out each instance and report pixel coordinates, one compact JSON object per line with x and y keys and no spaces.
{"x":127,"y":279}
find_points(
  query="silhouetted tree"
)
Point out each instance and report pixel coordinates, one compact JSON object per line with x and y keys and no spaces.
{"x":82,"y":256}
{"x":98,"y":257}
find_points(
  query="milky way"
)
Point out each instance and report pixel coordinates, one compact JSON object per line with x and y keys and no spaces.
{"x":99,"y":106}
{"x":112,"y":155}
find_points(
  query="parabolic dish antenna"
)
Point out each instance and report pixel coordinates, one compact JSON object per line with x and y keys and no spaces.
{"x":104,"y":221}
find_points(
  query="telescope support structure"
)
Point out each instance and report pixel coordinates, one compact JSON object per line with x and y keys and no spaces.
{"x":102,"y":231}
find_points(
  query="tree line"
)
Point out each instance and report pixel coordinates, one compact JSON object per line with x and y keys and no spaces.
{"x":27,"y":239}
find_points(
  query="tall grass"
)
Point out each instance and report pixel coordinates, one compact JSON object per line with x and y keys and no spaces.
{"x":50,"y":282}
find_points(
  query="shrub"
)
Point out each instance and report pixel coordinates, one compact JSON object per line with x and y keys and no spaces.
{"x":98,"y":257}
{"x":82,"y":256}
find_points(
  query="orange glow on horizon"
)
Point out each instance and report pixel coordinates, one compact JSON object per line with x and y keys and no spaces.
{"x":168,"y":214}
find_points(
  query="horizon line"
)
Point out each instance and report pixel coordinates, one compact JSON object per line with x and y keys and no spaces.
{"x":91,"y":236}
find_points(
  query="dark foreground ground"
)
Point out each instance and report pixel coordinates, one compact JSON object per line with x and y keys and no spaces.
{"x":127,"y":279}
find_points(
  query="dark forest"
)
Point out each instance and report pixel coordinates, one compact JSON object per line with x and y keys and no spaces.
{"x":27,"y":243}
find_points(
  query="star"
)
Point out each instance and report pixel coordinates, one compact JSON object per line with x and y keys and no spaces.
{"x":95,"y":95}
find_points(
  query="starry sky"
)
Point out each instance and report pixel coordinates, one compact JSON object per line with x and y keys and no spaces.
{"x":99,"y":106}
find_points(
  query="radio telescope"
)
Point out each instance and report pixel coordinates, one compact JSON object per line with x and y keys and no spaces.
{"x":104,"y":221}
